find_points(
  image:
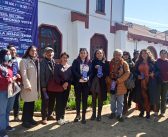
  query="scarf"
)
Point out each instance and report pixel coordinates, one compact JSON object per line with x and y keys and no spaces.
{"x":115,"y":67}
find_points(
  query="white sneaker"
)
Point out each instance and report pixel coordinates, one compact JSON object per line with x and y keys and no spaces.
{"x":65,"y":121}
{"x":61,"y":122}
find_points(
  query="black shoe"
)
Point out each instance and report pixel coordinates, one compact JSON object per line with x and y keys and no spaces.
{"x":141,"y":114}
{"x":148,"y":115}
{"x":77,"y":118}
{"x":34,"y":123}
{"x":98,"y":118}
{"x":120,"y":118}
{"x":26,"y":124}
{"x":112,"y":116}
{"x":93,"y":117}
{"x":83,"y":121}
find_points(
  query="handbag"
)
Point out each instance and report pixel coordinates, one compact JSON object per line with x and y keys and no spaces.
{"x":130,"y":82}
{"x":54,"y":87}
{"x":13,"y":89}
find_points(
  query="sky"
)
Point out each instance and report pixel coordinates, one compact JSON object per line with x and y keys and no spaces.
{"x":151,"y":13}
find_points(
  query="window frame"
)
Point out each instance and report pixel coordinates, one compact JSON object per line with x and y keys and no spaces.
{"x":102,"y":5}
{"x":41,"y":38}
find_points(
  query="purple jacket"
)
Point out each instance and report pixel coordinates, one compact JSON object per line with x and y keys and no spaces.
{"x":163,"y":67}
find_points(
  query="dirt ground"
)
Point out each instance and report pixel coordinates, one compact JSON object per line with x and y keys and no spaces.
{"x":133,"y":126}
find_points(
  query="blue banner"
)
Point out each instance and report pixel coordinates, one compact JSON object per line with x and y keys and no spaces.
{"x":19,"y":24}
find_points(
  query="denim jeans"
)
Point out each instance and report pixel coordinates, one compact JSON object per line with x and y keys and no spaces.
{"x":117,"y":103}
{"x":6,"y":105}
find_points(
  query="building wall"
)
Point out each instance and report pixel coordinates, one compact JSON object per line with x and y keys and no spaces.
{"x":117,"y":11}
{"x":74,"y":34}
{"x":132,"y":45}
{"x":75,"y":5}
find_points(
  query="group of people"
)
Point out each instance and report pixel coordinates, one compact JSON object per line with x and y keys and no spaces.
{"x":52,"y":82}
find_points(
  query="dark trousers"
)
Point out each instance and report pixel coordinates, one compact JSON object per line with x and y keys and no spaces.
{"x":127,"y":100}
{"x":81,"y":93}
{"x":163,"y":93}
{"x":28,"y":110}
{"x":65,"y":100}
{"x":44,"y":106}
{"x":59,"y":108}
{"x":100,"y":103}
{"x":51,"y":102}
{"x":16,"y":105}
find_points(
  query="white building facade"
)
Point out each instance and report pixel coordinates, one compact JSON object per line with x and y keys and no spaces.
{"x":68,"y":25}
{"x":141,"y":37}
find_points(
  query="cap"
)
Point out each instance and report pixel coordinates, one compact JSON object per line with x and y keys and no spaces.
{"x":48,"y":48}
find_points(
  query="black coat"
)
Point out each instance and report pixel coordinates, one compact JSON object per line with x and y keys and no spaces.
{"x":46,"y":72}
{"x":105,"y":69}
{"x":153,"y":85}
{"x":76,"y":72}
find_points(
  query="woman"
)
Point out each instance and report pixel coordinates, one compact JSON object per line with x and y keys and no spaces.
{"x":128,"y":96}
{"x":119,"y":73}
{"x":81,"y":73}
{"x":62,"y":76}
{"x":29,"y":69}
{"x":6,"y":104}
{"x":98,"y":88}
{"x":46,"y":73}
{"x":147,"y":93}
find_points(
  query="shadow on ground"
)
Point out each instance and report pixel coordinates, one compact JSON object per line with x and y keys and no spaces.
{"x":133,"y":126}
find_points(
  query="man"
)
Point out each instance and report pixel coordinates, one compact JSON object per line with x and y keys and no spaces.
{"x":162,"y":64}
{"x":15,"y":63}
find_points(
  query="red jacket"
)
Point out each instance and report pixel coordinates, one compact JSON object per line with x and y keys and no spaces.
{"x":4,"y":81}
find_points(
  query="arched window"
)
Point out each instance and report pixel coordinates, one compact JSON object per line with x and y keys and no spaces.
{"x":100,"y":6}
{"x":98,"y":41}
{"x":50,"y":36}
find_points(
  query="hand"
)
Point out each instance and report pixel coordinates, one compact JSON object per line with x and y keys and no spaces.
{"x":97,"y":66}
{"x":27,"y":89}
{"x":18,"y":76}
{"x":65,"y":85}
{"x":151,"y":74}
{"x":140,"y":77}
{"x":46,"y":97}
{"x":44,"y":89}
{"x":14,"y":78}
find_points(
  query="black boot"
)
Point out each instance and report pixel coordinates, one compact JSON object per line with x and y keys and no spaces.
{"x":147,"y":115}
{"x":93,"y":117}
{"x":141,"y":114}
{"x":83,"y":118}
{"x":77,"y":118}
{"x":99,"y":111}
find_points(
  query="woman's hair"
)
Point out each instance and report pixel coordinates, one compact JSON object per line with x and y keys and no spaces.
{"x":127,"y":53}
{"x":150,"y":56}
{"x":3,"y":52}
{"x":104,"y":56}
{"x":118,"y":51}
{"x":27,"y":51}
{"x":87,"y":57}
{"x":64,"y":54}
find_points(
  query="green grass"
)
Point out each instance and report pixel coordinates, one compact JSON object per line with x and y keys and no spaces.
{"x":71,"y":102}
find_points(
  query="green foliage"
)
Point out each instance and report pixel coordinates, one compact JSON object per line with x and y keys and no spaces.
{"x":70,"y":104}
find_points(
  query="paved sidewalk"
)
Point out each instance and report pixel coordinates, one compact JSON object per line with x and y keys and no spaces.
{"x":133,"y":126}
